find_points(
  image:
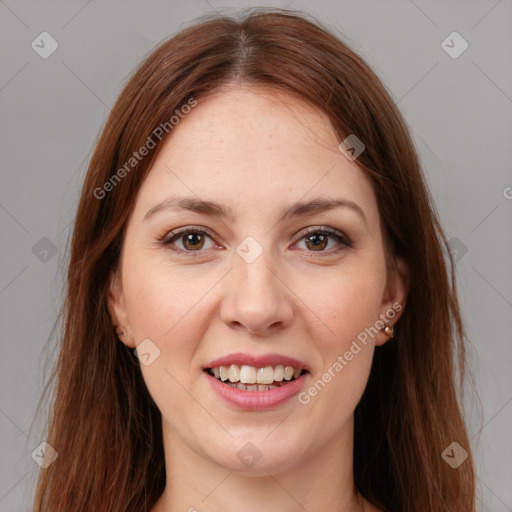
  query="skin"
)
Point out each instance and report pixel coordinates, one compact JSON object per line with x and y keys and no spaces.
{"x":256,"y":151}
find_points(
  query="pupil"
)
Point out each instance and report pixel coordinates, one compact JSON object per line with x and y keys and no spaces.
{"x":322,"y":238}
{"x":191,"y":238}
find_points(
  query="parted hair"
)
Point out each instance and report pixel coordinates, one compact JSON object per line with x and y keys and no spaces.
{"x":102,"y":420}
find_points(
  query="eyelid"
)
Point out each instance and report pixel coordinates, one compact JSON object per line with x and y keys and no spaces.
{"x":175,"y":234}
{"x":186,"y":229}
{"x":343,"y":239}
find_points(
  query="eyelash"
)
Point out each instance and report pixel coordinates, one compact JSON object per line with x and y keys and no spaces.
{"x":175,"y":235}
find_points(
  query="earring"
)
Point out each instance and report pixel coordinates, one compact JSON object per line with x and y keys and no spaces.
{"x":388,"y":329}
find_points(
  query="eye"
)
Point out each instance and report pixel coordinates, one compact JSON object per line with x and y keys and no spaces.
{"x":317,"y":239}
{"x":192,"y":240}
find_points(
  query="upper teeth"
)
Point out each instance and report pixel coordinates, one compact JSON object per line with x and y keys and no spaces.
{"x":251,"y":375}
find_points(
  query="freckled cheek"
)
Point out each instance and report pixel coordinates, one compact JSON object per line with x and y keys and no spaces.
{"x":345,"y":358}
{"x":159,"y":309}
{"x":347,"y":308}
{"x":169,"y":319}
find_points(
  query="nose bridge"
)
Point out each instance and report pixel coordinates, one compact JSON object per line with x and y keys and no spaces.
{"x":256,"y":298}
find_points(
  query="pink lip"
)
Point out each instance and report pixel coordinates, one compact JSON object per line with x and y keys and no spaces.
{"x":240,"y":358}
{"x":257,"y":400}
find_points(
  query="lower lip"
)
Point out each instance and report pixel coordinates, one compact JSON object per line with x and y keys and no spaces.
{"x":256,"y":400}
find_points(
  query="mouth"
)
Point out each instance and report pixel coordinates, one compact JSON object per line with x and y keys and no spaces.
{"x":251,"y":378}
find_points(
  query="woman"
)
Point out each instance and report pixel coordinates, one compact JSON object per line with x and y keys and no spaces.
{"x":259,"y":315}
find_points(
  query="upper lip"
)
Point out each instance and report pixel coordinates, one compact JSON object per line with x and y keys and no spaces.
{"x":258,"y":361}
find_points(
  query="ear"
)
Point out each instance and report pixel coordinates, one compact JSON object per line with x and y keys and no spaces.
{"x":117,"y":309}
{"x":394,"y":298}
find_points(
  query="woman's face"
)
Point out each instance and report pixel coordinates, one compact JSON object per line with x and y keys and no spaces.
{"x":263,"y":280}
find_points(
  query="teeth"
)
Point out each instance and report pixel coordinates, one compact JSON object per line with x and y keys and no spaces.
{"x":265,"y":375}
{"x":288,"y":373}
{"x":223,"y":373}
{"x":254,"y":377}
{"x":251,"y":387}
{"x":248,"y":375}
{"x":234,"y":373}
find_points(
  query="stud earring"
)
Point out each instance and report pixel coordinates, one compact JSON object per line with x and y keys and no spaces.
{"x":388,"y":329}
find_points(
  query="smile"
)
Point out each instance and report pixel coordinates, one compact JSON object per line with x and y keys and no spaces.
{"x":256,"y":395}
{"x":251,"y":378}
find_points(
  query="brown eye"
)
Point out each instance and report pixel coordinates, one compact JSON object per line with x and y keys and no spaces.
{"x":193,"y":241}
{"x":318,"y":241}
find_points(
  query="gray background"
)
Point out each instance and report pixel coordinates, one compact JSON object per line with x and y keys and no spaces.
{"x":460,"y":111}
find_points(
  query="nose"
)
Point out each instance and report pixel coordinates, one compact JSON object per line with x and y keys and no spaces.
{"x":256,"y":297}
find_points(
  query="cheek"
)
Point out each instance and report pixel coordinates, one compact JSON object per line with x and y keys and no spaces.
{"x":166,"y":308}
{"x":160,"y":301}
{"x":348,"y":304}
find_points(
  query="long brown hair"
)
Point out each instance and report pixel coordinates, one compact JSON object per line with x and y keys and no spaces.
{"x":103,"y":422}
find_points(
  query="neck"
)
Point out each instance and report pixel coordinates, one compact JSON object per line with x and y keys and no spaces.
{"x":320,"y":480}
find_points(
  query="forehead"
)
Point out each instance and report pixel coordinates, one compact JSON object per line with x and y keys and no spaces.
{"x":248,"y":146}
{"x":247,"y":120}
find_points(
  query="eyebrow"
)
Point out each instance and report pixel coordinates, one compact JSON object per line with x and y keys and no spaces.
{"x":213,"y":209}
